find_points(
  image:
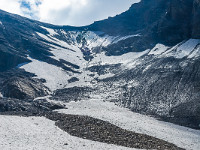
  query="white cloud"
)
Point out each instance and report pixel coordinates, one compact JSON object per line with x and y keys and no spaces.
{"x":33,"y":11}
{"x":12,"y":6}
{"x":68,"y":12}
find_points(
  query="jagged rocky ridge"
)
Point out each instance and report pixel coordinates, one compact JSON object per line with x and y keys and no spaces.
{"x":146,"y":59}
{"x":158,"y":21}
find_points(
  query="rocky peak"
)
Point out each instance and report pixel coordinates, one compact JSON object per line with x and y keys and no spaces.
{"x":164,"y":21}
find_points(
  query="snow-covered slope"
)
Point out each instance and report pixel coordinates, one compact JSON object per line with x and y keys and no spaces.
{"x":185,"y":49}
{"x":55,"y":77}
{"x":39,"y":133}
{"x":181,"y":136}
{"x":130,"y":79}
{"x":71,"y":49}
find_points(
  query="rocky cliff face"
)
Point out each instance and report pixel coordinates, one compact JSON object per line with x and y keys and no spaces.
{"x":158,"y":21}
{"x":21,"y":85}
{"x":180,"y":22}
{"x":195,"y":19}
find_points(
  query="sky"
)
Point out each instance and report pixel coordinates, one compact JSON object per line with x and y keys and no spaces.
{"x":67,"y":12}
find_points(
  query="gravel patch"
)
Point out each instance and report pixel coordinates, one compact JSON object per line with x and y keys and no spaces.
{"x":97,"y":130}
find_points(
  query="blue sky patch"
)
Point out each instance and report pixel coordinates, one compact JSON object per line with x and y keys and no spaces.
{"x":25,"y":4}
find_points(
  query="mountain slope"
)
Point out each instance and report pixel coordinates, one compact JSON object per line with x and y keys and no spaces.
{"x":146,"y":59}
{"x":157,"y":21}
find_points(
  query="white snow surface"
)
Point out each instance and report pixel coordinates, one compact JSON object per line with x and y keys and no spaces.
{"x":158,"y":49}
{"x":102,"y":59}
{"x":181,"y":136}
{"x":183,"y":49}
{"x":189,"y":49}
{"x":107,"y":75}
{"x":65,"y":51}
{"x":71,"y":52}
{"x":95,"y":38}
{"x":52,"y":39}
{"x":1,"y":95}
{"x":147,"y":67}
{"x":55,"y":77}
{"x":196,"y":52}
{"x":75,"y":57}
{"x":39,"y":133}
{"x":51,"y":31}
{"x":186,"y":48}
{"x":118,"y":39}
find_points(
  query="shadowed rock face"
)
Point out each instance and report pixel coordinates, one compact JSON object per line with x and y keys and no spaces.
{"x":23,"y":88}
{"x":19,"y":84}
{"x":181,"y":21}
{"x":196,"y":20}
{"x":9,"y":60}
{"x":138,"y":18}
{"x":11,"y":106}
{"x":158,"y":21}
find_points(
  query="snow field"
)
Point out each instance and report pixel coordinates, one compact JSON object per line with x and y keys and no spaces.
{"x":181,"y":136}
{"x":184,"y":49}
{"x":39,"y":133}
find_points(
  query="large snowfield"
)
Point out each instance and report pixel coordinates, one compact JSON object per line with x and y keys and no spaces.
{"x":181,"y":136}
{"x":39,"y":133}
